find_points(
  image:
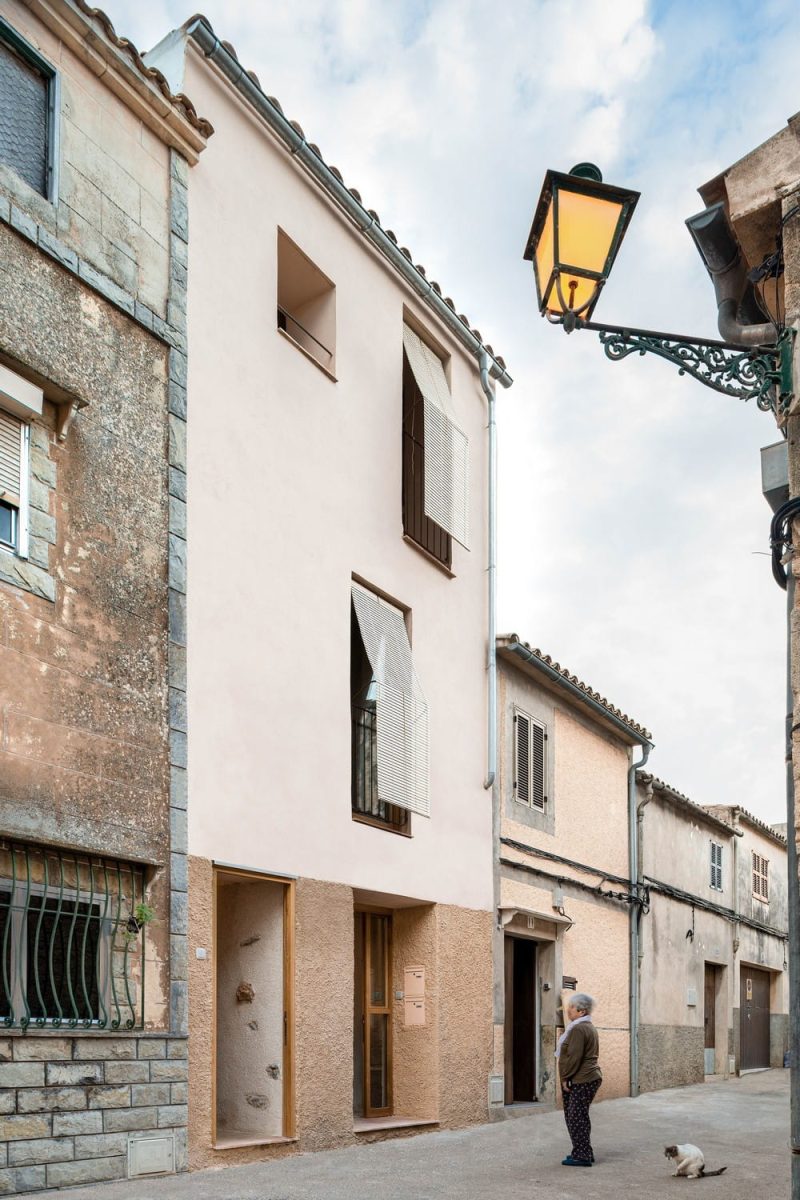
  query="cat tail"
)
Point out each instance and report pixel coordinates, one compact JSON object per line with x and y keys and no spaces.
{"x":706,"y":1174}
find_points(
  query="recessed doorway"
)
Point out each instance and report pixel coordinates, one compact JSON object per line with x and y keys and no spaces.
{"x":520,"y":1035}
{"x":372,"y":1027}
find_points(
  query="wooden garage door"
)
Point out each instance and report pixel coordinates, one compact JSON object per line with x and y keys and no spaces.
{"x":754,"y":1012}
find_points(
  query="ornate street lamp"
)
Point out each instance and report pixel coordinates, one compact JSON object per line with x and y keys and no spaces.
{"x":576,"y":233}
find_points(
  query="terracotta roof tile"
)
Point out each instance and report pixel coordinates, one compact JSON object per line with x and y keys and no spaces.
{"x":509,"y":638}
{"x":152,"y":74}
{"x":701,"y":810}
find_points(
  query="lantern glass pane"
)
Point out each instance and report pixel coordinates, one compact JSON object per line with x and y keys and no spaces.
{"x":586,"y":227}
{"x":544,"y":252}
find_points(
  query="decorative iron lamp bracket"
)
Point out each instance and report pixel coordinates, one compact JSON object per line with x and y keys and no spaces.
{"x":760,"y":373}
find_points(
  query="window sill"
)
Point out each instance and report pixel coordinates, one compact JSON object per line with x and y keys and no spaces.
{"x":362,"y":819}
{"x":427,"y":554}
{"x":378,"y":1124}
{"x":307,"y":354}
{"x":239,"y":1143}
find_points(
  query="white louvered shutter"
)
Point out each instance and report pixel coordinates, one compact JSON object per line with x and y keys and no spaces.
{"x":716,"y":866}
{"x":446,"y":445}
{"x":10,"y":457}
{"x":401,"y":708}
{"x":522,"y":765}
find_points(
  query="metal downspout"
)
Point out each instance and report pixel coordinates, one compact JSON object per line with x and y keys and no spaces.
{"x":794,"y":902}
{"x":635,"y":915}
{"x":491,"y":571}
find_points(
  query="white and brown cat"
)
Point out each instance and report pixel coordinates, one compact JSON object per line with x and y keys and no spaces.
{"x":691,"y":1162}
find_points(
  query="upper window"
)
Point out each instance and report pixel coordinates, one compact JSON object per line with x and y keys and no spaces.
{"x":530,"y":740}
{"x":760,"y":876}
{"x":435,"y":455}
{"x":14,"y":441}
{"x":716,"y":866}
{"x":27,"y":112}
{"x":306,"y":303}
{"x":70,"y":939}
{"x":389,"y":716}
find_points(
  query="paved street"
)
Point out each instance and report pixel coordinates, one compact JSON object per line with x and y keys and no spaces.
{"x":743,"y":1123}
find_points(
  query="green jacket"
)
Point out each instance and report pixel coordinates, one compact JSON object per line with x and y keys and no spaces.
{"x":577,"y":1061}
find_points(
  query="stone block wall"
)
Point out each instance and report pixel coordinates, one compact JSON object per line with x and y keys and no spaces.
{"x":670,"y":1056}
{"x":69,"y":1105}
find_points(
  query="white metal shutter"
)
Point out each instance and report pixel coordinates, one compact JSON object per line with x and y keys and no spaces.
{"x":522,"y":764}
{"x":10,"y":458}
{"x":446,"y":445}
{"x":716,"y":866}
{"x":402,"y":711}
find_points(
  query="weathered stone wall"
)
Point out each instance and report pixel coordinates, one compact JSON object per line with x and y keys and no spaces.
{"x":70,"y":1104}
{"x":670,"y":1056}
{"x":778,"y":1038}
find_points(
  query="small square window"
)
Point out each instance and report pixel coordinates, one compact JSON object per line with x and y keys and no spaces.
{"x":28,"y":86}
{"x":306,"y":303}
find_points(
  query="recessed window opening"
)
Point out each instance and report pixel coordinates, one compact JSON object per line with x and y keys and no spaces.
{"x":306,"y":303}
{"x":14,"y":440}
{"x":530,"y":738}
{"x":71,"y":934}
{"x":28,"y":114}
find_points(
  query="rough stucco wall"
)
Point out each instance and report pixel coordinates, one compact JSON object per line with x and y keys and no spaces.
{"x":465,"y":1014}
{"x":201,"y":1009}
{"x":415,"y":1057}
{"x":324,"y":1013}
{"x":250,"y":950}
{"x":670,"y":1056}
{"x":113,"y":204}
{"x":83,"y":679}
{"x":778,"y":1038}
{"x":595,"y":951}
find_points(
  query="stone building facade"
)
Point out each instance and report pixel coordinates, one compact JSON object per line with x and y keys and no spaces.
{"x":94,"y":160}
{"x":713,"y":959}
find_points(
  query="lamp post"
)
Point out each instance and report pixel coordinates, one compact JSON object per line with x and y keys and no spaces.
{"x":576,"y":234}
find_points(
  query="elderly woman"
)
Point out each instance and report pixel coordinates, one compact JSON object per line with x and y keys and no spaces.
{"x":580,"y":1076}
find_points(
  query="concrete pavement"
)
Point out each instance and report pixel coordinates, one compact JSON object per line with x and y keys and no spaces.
{"x":742,"y":1123}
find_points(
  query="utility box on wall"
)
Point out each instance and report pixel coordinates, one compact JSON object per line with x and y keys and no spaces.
{"x":414,"y":993}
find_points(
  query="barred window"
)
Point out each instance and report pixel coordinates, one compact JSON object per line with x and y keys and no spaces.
{"x":716,"y":866}
{"x":70,"y":939}
{"x":27,"y":112}
{"x":760,"y":877}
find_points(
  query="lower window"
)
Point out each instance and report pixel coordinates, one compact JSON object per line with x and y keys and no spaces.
{"x":71,"y":934}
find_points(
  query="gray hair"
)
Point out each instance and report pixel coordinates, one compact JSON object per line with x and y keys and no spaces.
{"x":582,"y":1002}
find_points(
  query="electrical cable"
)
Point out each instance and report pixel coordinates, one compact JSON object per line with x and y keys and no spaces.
{"x":780,"y":538}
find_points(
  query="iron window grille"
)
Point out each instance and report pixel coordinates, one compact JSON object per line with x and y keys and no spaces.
{"x":530,"y":738}
{"x":760,"y":876}
{"x":29,"y":113}
{"x":367,"y":803}
{"x":71,"y":947}
{"x":716,"y":866}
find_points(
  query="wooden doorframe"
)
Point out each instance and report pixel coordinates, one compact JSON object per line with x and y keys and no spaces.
{"x":288,"y":1115}
{"x":509,"y":954}
{"x":367,"y":912}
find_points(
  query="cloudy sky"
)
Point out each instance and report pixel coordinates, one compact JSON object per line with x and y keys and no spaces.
{"x":633,"y":533}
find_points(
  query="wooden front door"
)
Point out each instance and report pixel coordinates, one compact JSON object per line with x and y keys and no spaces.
{"x":754,"y":1015}
{"x":709,"y":1018}
{"x":520,"y":1020}
{"x":372,"y":1058}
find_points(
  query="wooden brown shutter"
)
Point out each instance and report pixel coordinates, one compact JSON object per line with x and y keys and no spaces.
{"x":538,"y":739}
{"x":522,"y":758}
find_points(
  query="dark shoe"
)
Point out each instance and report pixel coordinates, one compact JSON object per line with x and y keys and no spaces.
{"x":569,"y":1161}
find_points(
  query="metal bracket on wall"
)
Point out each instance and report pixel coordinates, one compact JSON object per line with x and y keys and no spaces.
{"x":760,"y":373}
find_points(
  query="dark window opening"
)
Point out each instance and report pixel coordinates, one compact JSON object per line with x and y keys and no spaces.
{"x":24,"y":112}
{"x":8,"y":525}
{"x":416,"y":525}
{"x":366,"y":804}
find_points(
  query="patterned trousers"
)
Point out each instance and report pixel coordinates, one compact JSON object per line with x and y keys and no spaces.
{"x":576,"y":1114}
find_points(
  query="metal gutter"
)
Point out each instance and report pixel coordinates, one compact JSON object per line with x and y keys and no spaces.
{"x":634,"y":867}
{"x":214,"y":50}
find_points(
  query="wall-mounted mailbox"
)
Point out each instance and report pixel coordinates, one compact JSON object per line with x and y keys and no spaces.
{"x":413,"y":1012}
{"x":414,"y":983}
